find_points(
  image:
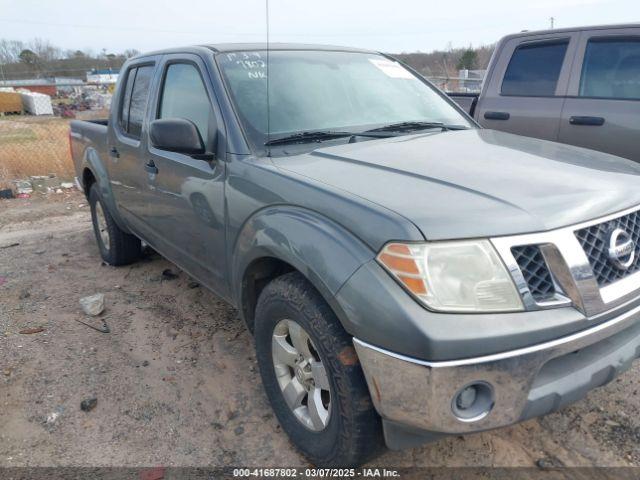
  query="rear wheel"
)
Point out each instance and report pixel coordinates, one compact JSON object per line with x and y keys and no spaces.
{"x":116,"y":246}
{"x":312,"y":377}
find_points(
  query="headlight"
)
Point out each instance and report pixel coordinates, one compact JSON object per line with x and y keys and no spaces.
{"x":456,"y":276}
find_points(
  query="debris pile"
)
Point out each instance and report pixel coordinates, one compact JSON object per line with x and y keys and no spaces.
{"x":66,"y":105}
{"x":43,"y":184}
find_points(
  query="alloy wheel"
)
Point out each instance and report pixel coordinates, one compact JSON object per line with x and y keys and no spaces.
{"x":301,"y":375}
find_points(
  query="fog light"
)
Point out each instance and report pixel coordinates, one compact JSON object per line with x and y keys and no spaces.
{"x":473,"y":402}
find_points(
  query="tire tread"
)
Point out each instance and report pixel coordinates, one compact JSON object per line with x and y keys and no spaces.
{"x":360,"y":435}
{"x":124,"y":248}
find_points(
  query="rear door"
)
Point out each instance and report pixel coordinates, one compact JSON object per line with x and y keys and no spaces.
{"x":126,"y":143}
{"x":187,"y":209}
{"x":602,"y":109}
{"x":526,"y":88}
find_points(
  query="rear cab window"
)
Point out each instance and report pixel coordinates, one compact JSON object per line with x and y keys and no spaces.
{"x":134,"y":100}
{"x":611,"y":69}
{"x":534,"y":69}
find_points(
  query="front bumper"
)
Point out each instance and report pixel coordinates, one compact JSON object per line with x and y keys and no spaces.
{"x":524,"y":383}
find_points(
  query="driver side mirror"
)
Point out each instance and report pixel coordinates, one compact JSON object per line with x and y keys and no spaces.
{"x":176,"y":135}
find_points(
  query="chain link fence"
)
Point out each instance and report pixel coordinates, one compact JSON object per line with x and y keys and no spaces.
{"x":38,"y":145}
{"x":34,"y":146}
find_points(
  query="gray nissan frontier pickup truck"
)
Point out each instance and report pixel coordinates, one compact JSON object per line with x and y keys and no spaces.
{"x":405,"y":273}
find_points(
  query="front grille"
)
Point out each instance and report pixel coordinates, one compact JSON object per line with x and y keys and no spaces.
{"x":595,"y":241}
{"x":535,"y":272}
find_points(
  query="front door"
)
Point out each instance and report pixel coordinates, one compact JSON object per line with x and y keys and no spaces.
{"x":187,"y":211}
{"x":602,"y":111}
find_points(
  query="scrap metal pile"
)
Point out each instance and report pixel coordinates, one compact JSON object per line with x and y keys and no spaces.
{"x":65,"y":104}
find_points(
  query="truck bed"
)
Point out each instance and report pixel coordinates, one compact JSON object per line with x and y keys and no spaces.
{"x":467,"y":101}
{"x":87,"y":136}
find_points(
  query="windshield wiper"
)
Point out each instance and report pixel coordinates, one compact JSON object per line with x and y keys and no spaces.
{"x":411,"y":126}
{"x":319,"y":136}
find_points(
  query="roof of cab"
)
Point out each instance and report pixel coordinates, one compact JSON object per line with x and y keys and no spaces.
{"x":244,"y":47}
{"x":527,"y":33}
{"x":239,"y":47}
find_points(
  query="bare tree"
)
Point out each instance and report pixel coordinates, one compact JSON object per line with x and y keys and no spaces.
{"x":10,"y":50}
{"x":45,"y":51}
{"x":131,"y":52}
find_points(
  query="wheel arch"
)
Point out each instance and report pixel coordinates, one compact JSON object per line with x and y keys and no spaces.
{"x":282,"y":239}
{"x":94,"y":172}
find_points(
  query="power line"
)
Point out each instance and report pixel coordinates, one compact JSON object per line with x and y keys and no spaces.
{"x":217,"y":32}
{"x":111,"y":27}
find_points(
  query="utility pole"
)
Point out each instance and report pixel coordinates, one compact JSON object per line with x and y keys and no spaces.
{"x":552,"y":21}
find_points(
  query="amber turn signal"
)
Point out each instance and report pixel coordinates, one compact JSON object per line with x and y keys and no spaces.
{"x":399,"y":260}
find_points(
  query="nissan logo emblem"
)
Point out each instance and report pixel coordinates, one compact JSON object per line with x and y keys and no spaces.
{"x":622,"y":249}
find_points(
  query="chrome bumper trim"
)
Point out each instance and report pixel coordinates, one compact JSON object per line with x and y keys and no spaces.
{"x":592,"y":334}
{"x":419,"y":393}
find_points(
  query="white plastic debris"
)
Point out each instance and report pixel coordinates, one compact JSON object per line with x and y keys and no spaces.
{"x":36,"y":103}
{"x":23,"y":186}
{"x":52,"y":417}
{"x":93,"y":305}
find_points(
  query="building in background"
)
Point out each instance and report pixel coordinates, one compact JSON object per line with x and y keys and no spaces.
{"x":48,"y":86}
{"x":102,"y":77}
{"x":470,"y":80}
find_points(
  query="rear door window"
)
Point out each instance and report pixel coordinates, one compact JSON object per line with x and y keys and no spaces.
{"x":126,"y":99}
{"x":534,"y":69}
{"x":139,"y":96}
{"x":611,"y":69}
{"x":134,"y":100}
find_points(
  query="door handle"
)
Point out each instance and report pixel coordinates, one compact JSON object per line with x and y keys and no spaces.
{"x":592,"y":121}
{"x":151,"y":168}
{"x":114,"y":153}
{"x":497,"y":115}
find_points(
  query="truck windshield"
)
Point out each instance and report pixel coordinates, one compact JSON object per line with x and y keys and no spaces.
{"x":313,"y":91}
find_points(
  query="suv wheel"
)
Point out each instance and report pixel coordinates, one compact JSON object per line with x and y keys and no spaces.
{"x":312,"y":377}
{"x":116,"y":247}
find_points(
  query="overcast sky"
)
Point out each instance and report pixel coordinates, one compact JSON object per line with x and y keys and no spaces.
{"x":390,"y":25}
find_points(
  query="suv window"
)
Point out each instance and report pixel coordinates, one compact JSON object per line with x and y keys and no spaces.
{"x":185,"y":96}
{"x":134,"y":100}
{"x":611,"y":69}
{"x":534,"y":69}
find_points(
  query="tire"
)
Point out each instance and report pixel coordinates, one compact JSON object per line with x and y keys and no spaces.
{"x":353,"y":432}
{"x":116,"y":247}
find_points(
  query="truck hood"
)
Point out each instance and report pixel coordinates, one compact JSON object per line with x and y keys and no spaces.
{"x":476,"y":183}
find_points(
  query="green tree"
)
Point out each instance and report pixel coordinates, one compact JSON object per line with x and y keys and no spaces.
{"x":28,"y":57}
{"x":468,"y":60}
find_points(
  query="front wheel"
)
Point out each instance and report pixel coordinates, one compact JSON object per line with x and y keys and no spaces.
{"x":116,"y":246}
{"x":312,"y":376}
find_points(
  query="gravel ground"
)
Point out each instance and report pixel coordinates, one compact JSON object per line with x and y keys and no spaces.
{"x":176,"y":380}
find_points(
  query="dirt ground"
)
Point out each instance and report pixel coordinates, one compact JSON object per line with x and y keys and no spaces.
{"x":176,"y":378}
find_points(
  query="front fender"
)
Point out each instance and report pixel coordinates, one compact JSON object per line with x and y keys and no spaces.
{"x":326,"y":253}
{"x":92,"y":161}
